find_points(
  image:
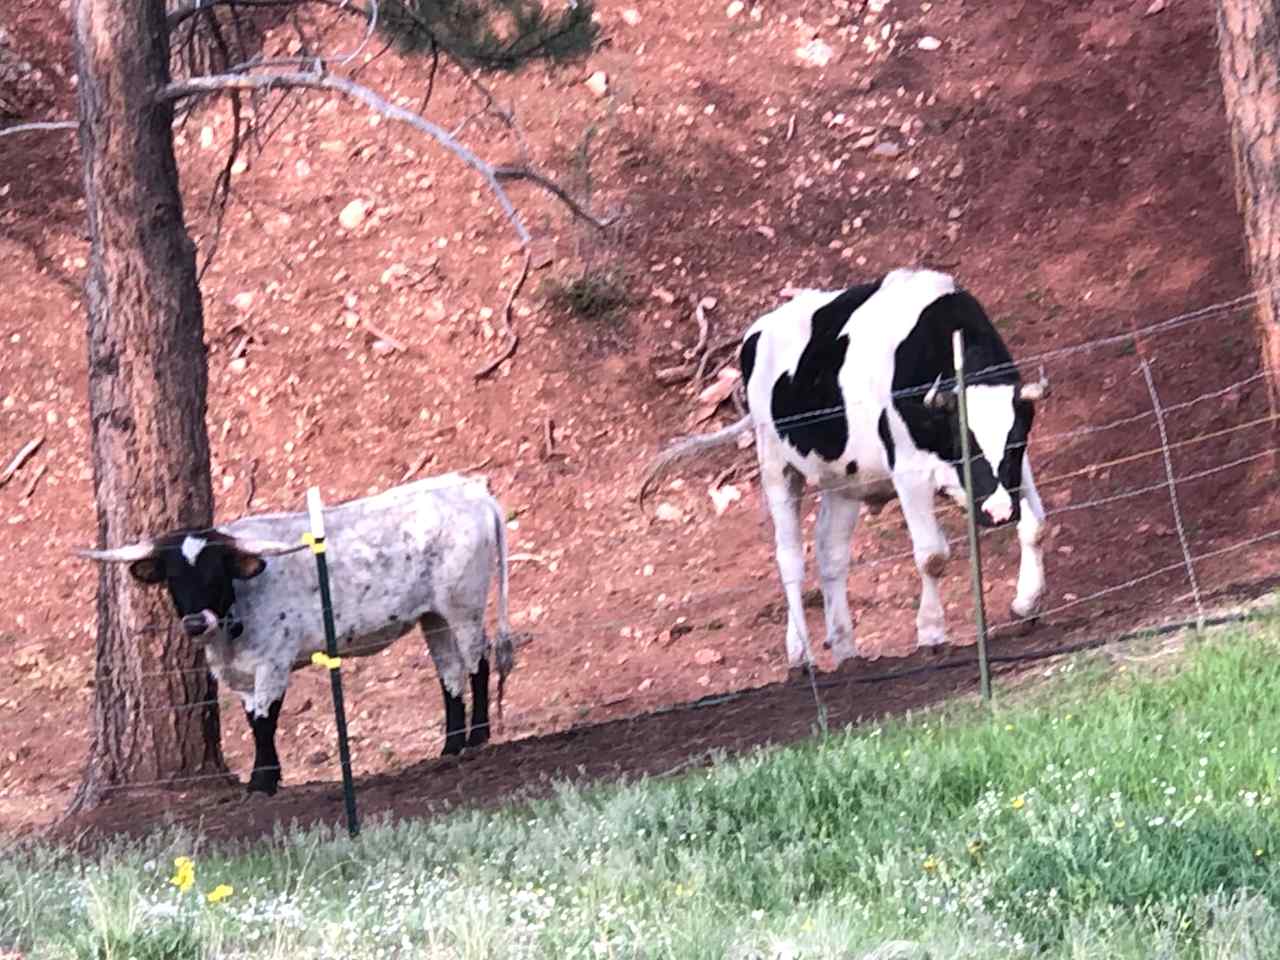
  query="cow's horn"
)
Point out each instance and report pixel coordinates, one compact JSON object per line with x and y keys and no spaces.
{"x":128,"y":554}
{"x":1035,"y":391}
{"x":931,"y":399}
{"x":266,"y":548}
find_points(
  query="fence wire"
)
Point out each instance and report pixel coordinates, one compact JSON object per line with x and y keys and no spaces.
{"x":529,"y":720}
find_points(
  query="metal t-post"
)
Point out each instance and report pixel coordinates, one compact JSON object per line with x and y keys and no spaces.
{"x":333,"y":662}
{"x":971,"y":517}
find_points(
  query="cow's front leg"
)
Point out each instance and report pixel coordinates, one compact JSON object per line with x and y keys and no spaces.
{"x":929,"y":546}
{"x":1031,"y":538}
{"x":265,"y":777}
{"x":837,"y":519}
{"x":782,"y":489}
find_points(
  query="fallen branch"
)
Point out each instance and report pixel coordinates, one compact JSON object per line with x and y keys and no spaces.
{"x":417,"y":465}
{"x":31,"y":487}
{"x":513,"y":339}
{"x":42,"y":125}
{"x":22,"y":457}
{"x":698,"y":356}
{"x":549,"y":441}
{"x":546,"y":183}
{"x":250,"y":480}
{"x":383,"y":335}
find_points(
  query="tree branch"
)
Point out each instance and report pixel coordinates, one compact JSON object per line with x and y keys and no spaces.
{"x":513,"y":338}
{"x":44,"y":125}
{"x":198,"y":86}
{"x":524,"y":173}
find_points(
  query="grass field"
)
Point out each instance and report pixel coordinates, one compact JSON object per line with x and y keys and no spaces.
{"x":1111,"y":813}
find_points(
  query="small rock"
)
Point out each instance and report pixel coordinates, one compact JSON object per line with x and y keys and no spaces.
{"x":645,"y":684}
{"x":956,"y":172}
{"x":242,"y":301}
{"x":668,"y":513}
{"x":865,"y":142}
{"x":1156,"y":7}
{"x":665,"y":295}
{"x":887,"y":150}
{"x":353,"y":214}
{"x":317,"y":758}
{"x":954,"y":213}
{"x":382,"y":347}
{"x":206,"y":138}
{"x":238,"y":365}
{"x":631,"y":17}
{"x":816,"y":53}
{"x":765,"y":231}
{"x":239,"y":167}
{"x":706,"y":657}
{"x":704,"y":680}
{"x":598,"y":83}
{"x":734,"y":8}
{"x":928,"y":43}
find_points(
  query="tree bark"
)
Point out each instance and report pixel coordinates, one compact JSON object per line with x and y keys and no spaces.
{"x":1249,"y":61}
{"x":153,"y":714}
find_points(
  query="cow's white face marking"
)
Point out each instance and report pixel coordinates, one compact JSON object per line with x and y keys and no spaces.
{"x":191,"y":547}
{"x":991,"y":418}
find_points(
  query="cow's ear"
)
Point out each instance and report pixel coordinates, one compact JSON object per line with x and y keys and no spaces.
{"x":244,"y":566}
{"x":148,"y":570}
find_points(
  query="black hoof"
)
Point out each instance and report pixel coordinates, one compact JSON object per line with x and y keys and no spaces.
{"x":453,"y":746}
{"x":265,"y":782}
{"x":799,"y":674}
{"x":478,"y":738}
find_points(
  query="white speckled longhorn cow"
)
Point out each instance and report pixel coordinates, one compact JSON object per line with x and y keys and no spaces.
{"x":421,"y":553}
{"x":845,"y":392}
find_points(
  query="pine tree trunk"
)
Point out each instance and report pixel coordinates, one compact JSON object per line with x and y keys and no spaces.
{"x":152,"y":715}
{"x":1249,"y":61}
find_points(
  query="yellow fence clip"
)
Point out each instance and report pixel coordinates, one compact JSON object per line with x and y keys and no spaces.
{"x":316,"y":545}
{"x":321,"y":659}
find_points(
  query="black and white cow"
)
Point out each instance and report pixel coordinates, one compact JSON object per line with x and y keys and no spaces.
{"x":845,"y":391}
{"x":421,"y":553}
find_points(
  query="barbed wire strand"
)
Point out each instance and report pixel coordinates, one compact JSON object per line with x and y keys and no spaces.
{"x":944,"y":510}
{"x":889,"y":676}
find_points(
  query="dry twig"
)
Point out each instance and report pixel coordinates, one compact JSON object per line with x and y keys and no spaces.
{"x":513,"y":339}
{"x":22,"y":457}
{"x":35,"y":479}
{"x":418,"y":464}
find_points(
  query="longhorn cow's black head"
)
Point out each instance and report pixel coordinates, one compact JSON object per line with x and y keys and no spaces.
{"x":1000,"y":417}
{"x":200,"y":568}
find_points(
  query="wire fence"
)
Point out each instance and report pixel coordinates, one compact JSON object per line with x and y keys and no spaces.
{"x":1188,"y":427}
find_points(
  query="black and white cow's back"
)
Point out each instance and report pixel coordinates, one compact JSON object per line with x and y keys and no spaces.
{"x":844,"y":392}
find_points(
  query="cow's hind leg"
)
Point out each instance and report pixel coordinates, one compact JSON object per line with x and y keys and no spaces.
{"x":1031,"y":536}
{"x":265,"y":777}
{"x":479,"y":704}
{"x":444,"y":654}
{"x":837,"y":519}
{"x":782,"y":489}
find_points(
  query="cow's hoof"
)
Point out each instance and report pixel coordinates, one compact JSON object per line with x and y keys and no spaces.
{"x":799,"y":673}
{"x":453,"y":746}
{"x":477,"y":739}
{"x":1024,"y":622}
{"x":265,"y":782}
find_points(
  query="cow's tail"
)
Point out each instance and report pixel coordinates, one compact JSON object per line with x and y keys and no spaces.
{"x":688,"y":447}
{"x":504,"y":652}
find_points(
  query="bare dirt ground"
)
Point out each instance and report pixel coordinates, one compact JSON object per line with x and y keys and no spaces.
{"x":1071,"y":168}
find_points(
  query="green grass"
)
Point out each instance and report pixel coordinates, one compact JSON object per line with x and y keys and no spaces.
{"x":1111,"y":815}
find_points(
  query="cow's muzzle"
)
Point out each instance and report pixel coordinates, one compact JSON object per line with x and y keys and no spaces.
{"x":200,"y":626}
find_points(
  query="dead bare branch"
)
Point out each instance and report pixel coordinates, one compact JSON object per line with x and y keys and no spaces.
{"x":513,"y":339}
{"x":381,"y":334}
{"x":220,"y":83}
{"x":524,"y":173}
{"x":35,"y":480}
{"x":41,"y":125}
{"x":23,"y":455}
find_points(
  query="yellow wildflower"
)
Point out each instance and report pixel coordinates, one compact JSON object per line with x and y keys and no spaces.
{"x":1118,"y":824}
{"x":1018,"y":802}
{"x":184,"y":876}
{"x":930,"y":865}
{"x":220,"y":893}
